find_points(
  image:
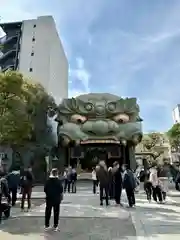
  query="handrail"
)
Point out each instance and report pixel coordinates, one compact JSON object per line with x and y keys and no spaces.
{"x":7,"y":68}
{"x":9,"y":39}
{"x":6,"y":54}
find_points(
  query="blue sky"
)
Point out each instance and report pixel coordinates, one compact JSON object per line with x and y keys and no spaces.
{"x":126,"y":47}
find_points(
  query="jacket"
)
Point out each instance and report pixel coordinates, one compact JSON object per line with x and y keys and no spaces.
{"x":13,"y":179}
{"x":102,"y":176}
{"x":153,"y":178}
{"x":54,"y":190}
{"x":4,"y":190}
{"x":118,"y":178}
{"x":73,"y":175}
{"x":27,"y":179}
{"x":129,"y":180}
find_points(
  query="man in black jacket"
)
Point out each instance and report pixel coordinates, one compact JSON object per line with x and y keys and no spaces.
{"x":129,"y":184}
{"x":27,"y":180}
{"x":54,"y":194}
{"x":117,"y":182}
{"x":103,"y":177}
{"x":13,"y":179}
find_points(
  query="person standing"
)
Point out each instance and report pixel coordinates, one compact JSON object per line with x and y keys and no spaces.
{"x":73,"y":180}
{"x":102,"y":175}
{"x":27,"y":180}
{"x":68,"y":180}
{"x":94,"y":179}
{"x":4,"y":191}
{"x":156,"y":190}
{"x":111,"y":183}
{"x":65,"y":180}
{"x":129,"y":184}
{"x":13,"y":179}
{"x":54,"y":194}
{"x":117,"y":182}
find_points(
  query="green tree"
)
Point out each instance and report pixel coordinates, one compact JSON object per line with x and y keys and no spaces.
{"x":152,"y":143}
{"x":15,"y":123}
{"x":174,"y":136}
{"x":21,"y":101}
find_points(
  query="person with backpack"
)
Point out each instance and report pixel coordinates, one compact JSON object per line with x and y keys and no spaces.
{"x":129,"y":184}
{"x":27,"y":180}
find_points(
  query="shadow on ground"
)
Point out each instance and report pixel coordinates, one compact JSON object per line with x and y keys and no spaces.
{"x":73,"y":228}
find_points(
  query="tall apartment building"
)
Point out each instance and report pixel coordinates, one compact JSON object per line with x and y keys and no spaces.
{"x":176,"y":114}
{"x":34,"y":48}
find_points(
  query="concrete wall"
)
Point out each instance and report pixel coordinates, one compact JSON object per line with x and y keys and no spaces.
{"x":49,"y":63}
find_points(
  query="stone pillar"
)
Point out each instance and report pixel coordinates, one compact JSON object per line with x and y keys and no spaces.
{"x":132,"y":157}
{"x":62,"y":155}
{"x":123,"y":152}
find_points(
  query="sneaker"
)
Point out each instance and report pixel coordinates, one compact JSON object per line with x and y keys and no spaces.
{"x":101,"y":204}
{"x":47,"y":228}
{"x":56,"y":229}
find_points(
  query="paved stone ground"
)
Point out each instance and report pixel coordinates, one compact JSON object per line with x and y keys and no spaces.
{"x":83,"y":219}
{"x":157,"y":221}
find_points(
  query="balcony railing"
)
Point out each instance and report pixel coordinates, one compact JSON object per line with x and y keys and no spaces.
{"x":9,"y":54}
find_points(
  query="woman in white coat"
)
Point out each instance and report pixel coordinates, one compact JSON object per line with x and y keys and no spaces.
{"x":156,"y":189}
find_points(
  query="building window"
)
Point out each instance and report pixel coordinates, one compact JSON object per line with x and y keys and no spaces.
{"x":30,"y":69}
{"x":32,"y":54}
{"x":33,"y":39}
{"x":34,"y":26}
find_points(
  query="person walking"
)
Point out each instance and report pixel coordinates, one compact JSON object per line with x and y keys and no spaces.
{"x":117,"y":182}
{"x":102,"y":175}
{"x":129,"y":184}
{"x":27,"y":180}
{"x":54,"y":194}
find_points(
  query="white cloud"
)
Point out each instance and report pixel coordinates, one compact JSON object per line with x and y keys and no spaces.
{"x":81,"y":73}
{"x":120,"y":55}
{"x":76,"y":92}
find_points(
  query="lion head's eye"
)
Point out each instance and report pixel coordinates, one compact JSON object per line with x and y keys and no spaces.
{"x":76,"y":118}
{"x":121,"y":118}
